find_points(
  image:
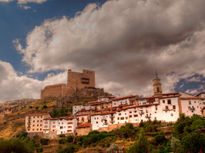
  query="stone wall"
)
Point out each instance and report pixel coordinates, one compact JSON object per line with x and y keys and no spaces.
{"x":54,"y":91}
{"x":83,"y":131}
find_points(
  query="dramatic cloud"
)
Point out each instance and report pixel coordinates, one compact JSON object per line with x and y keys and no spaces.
{"x":18,"y":87}
{"x":125,"y":42}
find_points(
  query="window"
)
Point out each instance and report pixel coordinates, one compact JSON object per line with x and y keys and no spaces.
{"x":85,"y":80}
{"x":122,"y":118}
{"x":96,"y":122}
{"x":130,"y":116}
{"x":135,"y":115}
{"x":155,"y":107}
{"x":169,"y":101}
{"x":189,"y":102}
{"x":166,"y":107}
{"x":174,"y":107}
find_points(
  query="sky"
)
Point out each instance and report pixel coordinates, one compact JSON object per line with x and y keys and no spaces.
{"x":125,"y":42}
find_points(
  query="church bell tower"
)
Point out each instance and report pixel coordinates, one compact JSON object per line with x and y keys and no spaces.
{"x":157,"y":86}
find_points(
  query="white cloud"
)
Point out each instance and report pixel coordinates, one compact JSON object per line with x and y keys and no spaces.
{"x":124,"y":42}
{"x":21,"y":3}
{"x":6,"y":1}
{"x":31,"y":1}
{"x":18,"y":87}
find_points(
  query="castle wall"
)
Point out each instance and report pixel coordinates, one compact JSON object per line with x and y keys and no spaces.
{"x":76,"y":81}
{"x":54,"y":91}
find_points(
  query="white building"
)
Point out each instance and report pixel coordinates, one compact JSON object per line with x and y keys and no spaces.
{"x":101,"y":120}
{"x":122,"y":101}
{"x":61,"y":125}
{"x":78,"y":108}
{"x":34,"y":122}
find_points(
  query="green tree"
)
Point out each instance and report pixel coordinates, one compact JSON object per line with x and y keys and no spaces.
{"x":193,"y":142}
{"x":141,"y":145}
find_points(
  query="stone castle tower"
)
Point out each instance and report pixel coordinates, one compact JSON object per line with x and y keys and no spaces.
{"x":83,"y":81}
{"x":157,"y":86}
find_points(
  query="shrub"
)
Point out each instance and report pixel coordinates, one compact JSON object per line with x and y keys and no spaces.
{"x":44,"y":141}
{"x":70,"y":139}
{"x":160,"y":138}
{"x":69,"y":149}
{"x":44,"y":106}
{"x":194,"y":142}
{"x":62,"y":141}
{"x":62,"y":135}
{"x":141,"y":145}
{"x":16,"y":145}
{"x":176,"y":145}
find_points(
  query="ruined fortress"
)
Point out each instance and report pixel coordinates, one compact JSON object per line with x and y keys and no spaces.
{"x":83,"y":83}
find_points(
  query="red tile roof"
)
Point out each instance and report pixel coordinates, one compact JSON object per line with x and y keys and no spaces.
{"x":187,"y":98}
{"x":60,"y":118}
{"x":39,"y":114}
{"x":85,"y":125}
{"x":126,"y":97}
{"x":104,"y":113}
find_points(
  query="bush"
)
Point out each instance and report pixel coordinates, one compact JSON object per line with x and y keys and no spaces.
{"x":176,"y":145}
{"x":62,"y":141}
{"x":44,"y":106}
{"x":160,"y":138}
{"x":141,"y":145}
{"x":194,"y":142}
{"x":62,"y":135}
{"x":39,"y":150}
{"x":69,"y":149}
{"x":59,"y":112}
{"x":127,"y":131}
{"x":70,"y":139}
{"x":16,"y":145}
{"x":22,"y":134}
{"x":44,"y":141}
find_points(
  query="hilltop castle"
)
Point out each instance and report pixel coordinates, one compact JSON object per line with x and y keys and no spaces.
{"x":76,"y":82}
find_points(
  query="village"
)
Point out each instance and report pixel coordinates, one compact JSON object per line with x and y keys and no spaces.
{"x":109,"y":112}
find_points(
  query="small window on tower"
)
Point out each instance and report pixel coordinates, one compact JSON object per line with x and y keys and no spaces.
{"x":169,"y":101}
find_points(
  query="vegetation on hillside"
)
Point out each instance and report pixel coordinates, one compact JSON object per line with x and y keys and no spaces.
{"x":148,"y":138}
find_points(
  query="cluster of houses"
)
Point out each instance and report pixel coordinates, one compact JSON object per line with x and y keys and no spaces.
{"x":109,"y":112}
